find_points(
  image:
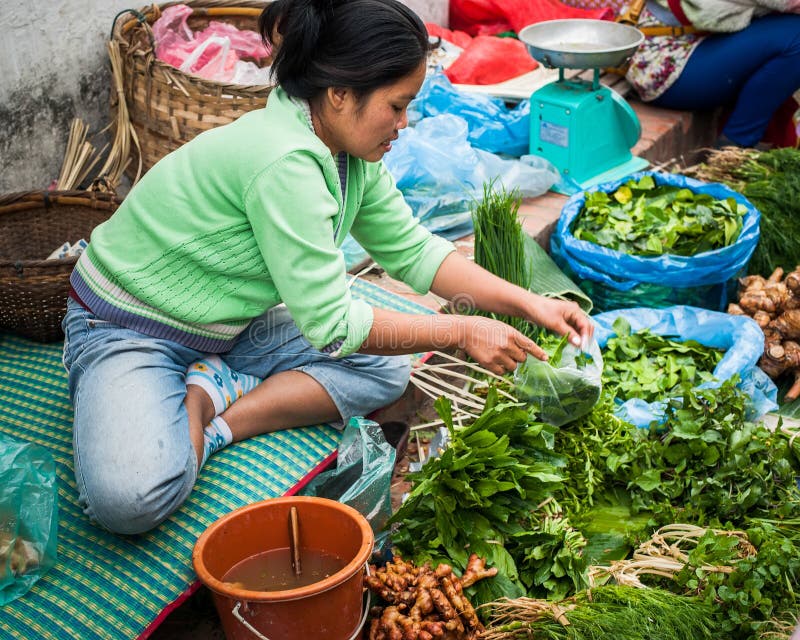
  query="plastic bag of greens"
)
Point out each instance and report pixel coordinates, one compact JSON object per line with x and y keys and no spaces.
{"x":28,"y":516}
{"x":363,"y":474}
{"x":565,"y":387}
{"x":739,"y":336}
{"x":616,"y":279}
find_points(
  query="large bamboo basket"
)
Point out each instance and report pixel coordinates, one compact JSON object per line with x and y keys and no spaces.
{"x":165,"y":106}
{"x":33,"y":290}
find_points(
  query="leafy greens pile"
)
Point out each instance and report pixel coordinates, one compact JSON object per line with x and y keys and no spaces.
{"x":530,"y":498}
{"x":485,"y":495}
{"x":771,"y":181}
{"x":652,"y":367}
{"x":640,"y":218}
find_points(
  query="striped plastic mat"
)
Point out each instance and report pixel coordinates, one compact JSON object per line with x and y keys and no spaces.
{"x":107,"y":586}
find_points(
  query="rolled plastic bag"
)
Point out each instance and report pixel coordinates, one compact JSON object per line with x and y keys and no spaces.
{"x":739,"y":336}
{"x":565,"y":387}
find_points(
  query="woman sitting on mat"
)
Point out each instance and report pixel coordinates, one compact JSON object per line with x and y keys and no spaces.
{"x":176,"y":306}
{"x":703,"y":54}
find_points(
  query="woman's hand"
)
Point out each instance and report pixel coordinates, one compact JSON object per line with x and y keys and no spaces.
{"x":561,"y":317}
{"x":497,"y":346}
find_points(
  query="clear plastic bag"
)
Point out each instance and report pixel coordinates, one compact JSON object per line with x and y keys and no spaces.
{"x":363,"y":474}
{"x":565,"y":387}
{"x":28,"y":516}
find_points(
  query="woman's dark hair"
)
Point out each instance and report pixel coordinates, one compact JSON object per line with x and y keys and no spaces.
{"x":358,"y":44}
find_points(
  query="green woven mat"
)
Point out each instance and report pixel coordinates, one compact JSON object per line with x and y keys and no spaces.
{"x":107,"y":586}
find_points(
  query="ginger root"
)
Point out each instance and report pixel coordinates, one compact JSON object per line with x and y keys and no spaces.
{"x":425,"y":603}
{"x":476,"y":570}
{"x":774,"y":303}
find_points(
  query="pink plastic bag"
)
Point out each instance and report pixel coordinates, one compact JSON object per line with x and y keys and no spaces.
{"x":213,"y":53}
{"x":247,"y":44}
{"x":171,"y":30}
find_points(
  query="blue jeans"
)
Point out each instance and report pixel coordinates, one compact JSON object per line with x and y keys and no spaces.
{"x":134,"y":461}
{"x":755,"y":70}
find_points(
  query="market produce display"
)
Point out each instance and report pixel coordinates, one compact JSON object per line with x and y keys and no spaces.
{"x":640,"y":218}
{"x":596,"y":527}
{"x":600,"y":490}
{"x":771,"y":181}
{"x":774,"y":303}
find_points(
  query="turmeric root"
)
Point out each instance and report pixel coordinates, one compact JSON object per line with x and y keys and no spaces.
{"x":774,"y":303}
{"x":425,"y":603}
{"x":788,"y":324}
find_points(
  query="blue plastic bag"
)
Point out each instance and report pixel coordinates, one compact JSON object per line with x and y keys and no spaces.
{"x":615,"y":280}
{"x":492,"y":125}
{"x":740,"y":337}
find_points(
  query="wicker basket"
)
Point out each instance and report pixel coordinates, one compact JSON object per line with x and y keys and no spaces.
{"x":167,"y":107}
{"x":33,"y":290}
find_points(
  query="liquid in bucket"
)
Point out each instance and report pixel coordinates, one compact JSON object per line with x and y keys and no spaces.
{"x":272,"y":570}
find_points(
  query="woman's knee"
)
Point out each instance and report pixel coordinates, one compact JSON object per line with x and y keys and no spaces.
{"x":128,"y":500}
{"x":393,"y":374}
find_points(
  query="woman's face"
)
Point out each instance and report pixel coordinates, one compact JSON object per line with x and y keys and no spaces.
{"x":366,"y":128}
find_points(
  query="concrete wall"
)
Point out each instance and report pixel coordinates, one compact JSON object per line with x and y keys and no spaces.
{"x":53,"y":67}
{"x":430,"y":10}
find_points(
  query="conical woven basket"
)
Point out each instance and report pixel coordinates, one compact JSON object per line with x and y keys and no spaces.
{"x":165,"y":106}
{"x":33,"y":290}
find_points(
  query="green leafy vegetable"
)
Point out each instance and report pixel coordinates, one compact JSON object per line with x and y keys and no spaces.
{"x":640,"y":218}
{"x":651,"y":367}
{"x":479,"y":493}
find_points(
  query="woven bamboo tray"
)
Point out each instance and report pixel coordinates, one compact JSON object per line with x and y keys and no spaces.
{"x":167,"y":107}
{"x":33,"y":290}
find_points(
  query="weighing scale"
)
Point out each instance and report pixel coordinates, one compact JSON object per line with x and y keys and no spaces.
{"x":583,"y":128}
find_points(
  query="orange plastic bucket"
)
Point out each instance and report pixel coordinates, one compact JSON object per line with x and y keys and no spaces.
{"x":332,"y":608}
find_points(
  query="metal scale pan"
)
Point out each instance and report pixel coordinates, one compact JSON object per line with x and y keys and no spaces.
{"x":581,"y":44}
